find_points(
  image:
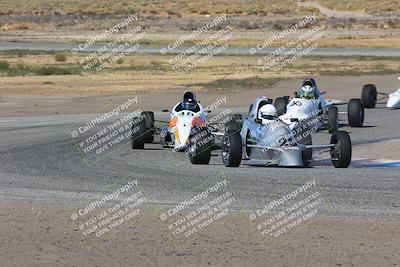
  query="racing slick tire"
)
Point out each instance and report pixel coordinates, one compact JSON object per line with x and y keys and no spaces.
{"x":342,"y":149}
{"x":200,"y":145}
{"x":149,"y":125}
{"x":369,"y":96}
{"x":237,"y":116}
{"x":355,"y":113}
{"x":238,"y":120}
{"x":138,"y":133}
{"x":333,"y":119}
{"x":307,"y":153}
{"x":231,"y":150}
{"x":233,"y":126}
{"x":280,"y":105}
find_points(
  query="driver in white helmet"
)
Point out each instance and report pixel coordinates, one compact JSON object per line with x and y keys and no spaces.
{"x":267,"y":114}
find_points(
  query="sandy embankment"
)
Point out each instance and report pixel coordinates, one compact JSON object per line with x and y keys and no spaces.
{"x":145,"y":241}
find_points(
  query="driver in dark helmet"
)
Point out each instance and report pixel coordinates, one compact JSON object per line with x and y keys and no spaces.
{"x":189,"y":102}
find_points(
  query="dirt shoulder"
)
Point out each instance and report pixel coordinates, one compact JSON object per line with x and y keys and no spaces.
{"x":17,"y":105}
{"x":43,"y":234}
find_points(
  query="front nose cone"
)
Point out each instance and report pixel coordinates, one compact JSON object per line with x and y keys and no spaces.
{"x":393,"y":102}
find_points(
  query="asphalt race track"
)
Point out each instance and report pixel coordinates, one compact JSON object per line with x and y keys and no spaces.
{"x":39,"y":162}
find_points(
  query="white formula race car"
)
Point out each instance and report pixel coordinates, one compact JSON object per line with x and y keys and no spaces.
{"x":187,"y":125}
{"x":183,"y":117}
{"x":369,"y":97}
{"x":300,"y":109}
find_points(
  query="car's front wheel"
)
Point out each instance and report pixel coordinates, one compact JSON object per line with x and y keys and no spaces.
{"x":308,"y":152}
{"x":231,"y":150}
{"x":200,"y":146}
{"x":341,"y":151}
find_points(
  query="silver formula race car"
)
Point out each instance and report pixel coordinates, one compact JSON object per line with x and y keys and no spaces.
{"x":369,"y":97}
{"x":275,"y":143}
{"x":309,"y":104}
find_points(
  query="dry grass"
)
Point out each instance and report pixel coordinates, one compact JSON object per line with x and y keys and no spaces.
{"x":143,"y":73}
{"x":370,"y":6}
{"x":388,"y":42}
{"x":60,"y":57}
{"x":12,"y":26}
{"x":342,"y":41}
{"x":185,"y":8}
{"x":80,"y":16}
{"x":161,"y":8}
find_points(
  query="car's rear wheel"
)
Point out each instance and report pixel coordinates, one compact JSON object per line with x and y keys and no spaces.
{"x":369,"y":96}
{"x":355,"y":113}
{"x":138,"y":133}
{"x":149,"y":125}
{"x":200,"y":146}
{"x":333,"y":119}
{"x":342,"y":150}
{"x":237,"y":121}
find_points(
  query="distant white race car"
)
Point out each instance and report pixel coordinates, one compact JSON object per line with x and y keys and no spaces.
{"x":369,"y":97}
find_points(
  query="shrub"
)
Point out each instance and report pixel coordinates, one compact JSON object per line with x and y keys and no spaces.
{"x":120,"y":61}
{"x":18,"y":70}
{"x":155,"y":63}
{"x":4,"y":65}
{"x":15,"y":26}
{"x":277,"y":27}
{"x":60,"y":57}
{"x":44,"y":71}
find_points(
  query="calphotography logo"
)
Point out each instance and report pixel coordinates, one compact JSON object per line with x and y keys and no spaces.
{"x":199,"y":212}
{"x":212,"y":44}
{"x":282,"y":215}
{"x":107,"y":214}
{"x":298,"y":42}
{"x":106,"y":132}
{"x":125,"y":43}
